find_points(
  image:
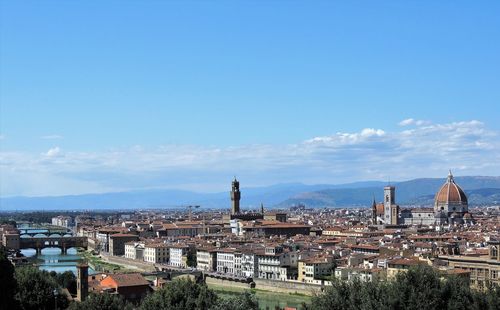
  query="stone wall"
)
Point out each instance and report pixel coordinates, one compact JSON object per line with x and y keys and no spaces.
{"x":287,"y":287}
{"x":130,"y":263}
{"x":222,"y":282}
{"x":270,"y":285}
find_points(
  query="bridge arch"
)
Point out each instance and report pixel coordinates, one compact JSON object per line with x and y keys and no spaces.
{"x":50,"y":250}
{"x":64,"y":243}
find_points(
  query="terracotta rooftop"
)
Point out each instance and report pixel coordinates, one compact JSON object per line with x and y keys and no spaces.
{"x":128,"y":279}
{"x":450,"y":192}
{"x":122,"y":235}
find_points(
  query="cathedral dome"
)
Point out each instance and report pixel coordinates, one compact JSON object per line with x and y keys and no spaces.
{"x":450,"y":193}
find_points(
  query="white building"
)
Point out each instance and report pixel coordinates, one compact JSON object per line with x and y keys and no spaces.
{"x":249,"y":265}
{"x":156,"y":253}
{"x":226,"y":261}
{"x":361,"y":274}
{"x":134,"y":250}
{"x":274,"y":263}
{"x":178,"y":255}
{"x":206,"y":259}
{"x":63,"y":221}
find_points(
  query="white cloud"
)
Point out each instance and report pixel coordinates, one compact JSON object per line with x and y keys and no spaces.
{"x":411,"y":121}
{"x":421,"y":151}
{"x":53,"y":152}
{"x":51,"y":137}
{"x":342,"y":138}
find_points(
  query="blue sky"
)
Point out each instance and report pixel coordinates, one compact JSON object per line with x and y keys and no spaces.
{"x":115,"y":95}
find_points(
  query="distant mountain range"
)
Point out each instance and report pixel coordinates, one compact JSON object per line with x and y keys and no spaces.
{"x":480,"y":190}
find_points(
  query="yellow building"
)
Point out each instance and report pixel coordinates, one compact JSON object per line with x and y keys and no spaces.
{"x":396,"y":266}
{"x":483,"y":269}
{"x":315,"y":268}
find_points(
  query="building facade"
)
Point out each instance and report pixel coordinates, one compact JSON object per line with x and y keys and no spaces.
{"x":483,"y":270}
{"x":178,"y":255}
{"x":206,"y":259}
{"x":117,"y":243}
{"x":156,"y":253}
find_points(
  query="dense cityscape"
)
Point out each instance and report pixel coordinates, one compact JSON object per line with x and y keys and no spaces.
{"x":249,"y":155}
{"x":299,"y":251}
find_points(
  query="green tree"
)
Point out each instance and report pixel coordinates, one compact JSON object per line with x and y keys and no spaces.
{"x":457,"y":294}
{"x":36,"y":290}
{"x":101,"y":302}
{"x":67,"y":280}
{"x":420,"y":288}
{"x":180,"y":295}
{"x":335,"y":297}
{"x":8,"y":284}
{"x":245,"y":301}
{"x":191,"y":258}
{"x":417,"y":289}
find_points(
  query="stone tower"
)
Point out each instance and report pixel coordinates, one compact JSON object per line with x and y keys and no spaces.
{"x":391,"y":210}
{"x":82,"y":281}
{"x":235,"y":197}
{"x":374,"y":211}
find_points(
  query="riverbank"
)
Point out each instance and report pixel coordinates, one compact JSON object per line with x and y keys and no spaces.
{"x":101,"y":265}
{"x":267,"y":299}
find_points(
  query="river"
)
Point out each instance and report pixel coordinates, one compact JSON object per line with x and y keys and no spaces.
{"x":51,"y":259}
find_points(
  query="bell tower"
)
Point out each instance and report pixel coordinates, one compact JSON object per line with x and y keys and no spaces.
{"x":82,"y":282}
{"x":391,"y":210}
{"x":235,"y":197}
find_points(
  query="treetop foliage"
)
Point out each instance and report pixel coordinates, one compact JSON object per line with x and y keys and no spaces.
{"x":420,"y":288}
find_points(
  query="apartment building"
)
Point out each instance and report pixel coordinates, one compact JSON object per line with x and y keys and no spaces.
{"x":206,"y":259}
{"x":134,"y":250}
{"x":178,"y":255}
{"x":156,"y":253}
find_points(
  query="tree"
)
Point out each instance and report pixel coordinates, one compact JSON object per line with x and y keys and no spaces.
{"x":8,"y":284}
{"x":420,"y":288}
{"x":36,"y":290}
{"x":67,"y":280}
{"x":245,"y":301}
{"x":101,"y":302}
{"x":180,"y":295}
{"x":191,"y":258}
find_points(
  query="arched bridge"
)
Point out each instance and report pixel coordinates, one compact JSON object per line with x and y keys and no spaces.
{"x":63,"y":242}
{"x":33,"y":232}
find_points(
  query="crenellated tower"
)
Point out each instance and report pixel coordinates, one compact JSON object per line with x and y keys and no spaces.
{"x":235,"y":197}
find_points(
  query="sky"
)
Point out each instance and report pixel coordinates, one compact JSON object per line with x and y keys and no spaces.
{"x":99,"y":96}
